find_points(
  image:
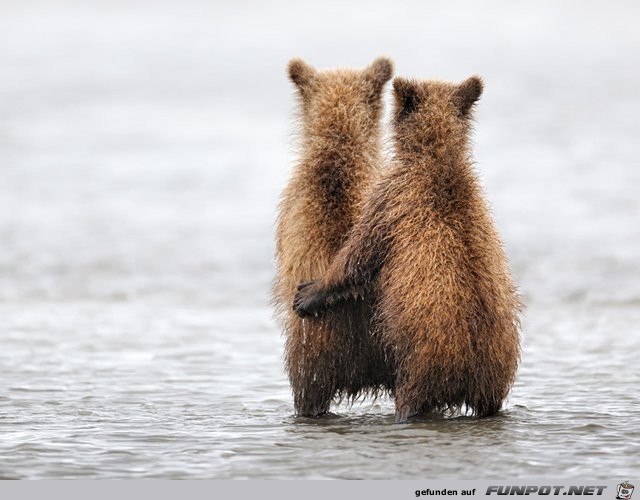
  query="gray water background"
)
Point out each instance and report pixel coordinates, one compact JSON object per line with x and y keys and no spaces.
{"x":143,"y":146}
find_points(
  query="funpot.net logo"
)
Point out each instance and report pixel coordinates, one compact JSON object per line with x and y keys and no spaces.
{"x":547,"y":490}
{"x":624,"y":491}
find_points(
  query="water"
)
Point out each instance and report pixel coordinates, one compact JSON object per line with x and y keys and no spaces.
{"x":142,"y":151}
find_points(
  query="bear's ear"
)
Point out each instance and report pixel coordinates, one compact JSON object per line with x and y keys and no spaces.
{"x":467,"y":93}
{"x":378,"y":73}
{"x":301,"y":73}
{"x":406,"y":96}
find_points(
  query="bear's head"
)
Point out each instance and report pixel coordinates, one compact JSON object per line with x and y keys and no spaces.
{"x":340,"y":104}
{"x":433,"y":114}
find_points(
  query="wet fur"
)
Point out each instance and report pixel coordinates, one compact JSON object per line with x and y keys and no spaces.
{"x":426,"y":253}
{"x":339,"y":131}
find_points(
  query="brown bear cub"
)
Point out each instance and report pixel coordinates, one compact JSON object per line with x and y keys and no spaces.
{"x":426,"y":253}
{"x":334,"y":356}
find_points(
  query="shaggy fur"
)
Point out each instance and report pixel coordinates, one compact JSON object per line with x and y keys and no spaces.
{"x":334,"y":356}
{"x":427,"y":252}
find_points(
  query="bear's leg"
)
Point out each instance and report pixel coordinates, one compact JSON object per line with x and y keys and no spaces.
{"x":415,"y":390}
{"x":311,"y":401}
{"x":404,"y":412}
{"x":407,"y":404}
{"x":486,"y":407}
{"x":313,"y":384}
{"x":314,"y":361}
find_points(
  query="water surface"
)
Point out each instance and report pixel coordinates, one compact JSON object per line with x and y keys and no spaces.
{"x":142,"y":151}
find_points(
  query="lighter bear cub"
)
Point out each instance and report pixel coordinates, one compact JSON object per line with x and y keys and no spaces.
{"x":339,"y":159}
{"x":426,"y":253}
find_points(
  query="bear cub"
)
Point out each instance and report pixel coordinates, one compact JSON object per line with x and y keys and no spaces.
{"x":339,"y":159}
{"x":426,"y":254}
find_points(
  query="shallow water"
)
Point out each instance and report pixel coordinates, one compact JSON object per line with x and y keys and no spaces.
{"x":142,"y":151}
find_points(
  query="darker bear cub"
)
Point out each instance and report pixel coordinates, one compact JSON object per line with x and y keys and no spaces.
{"x":426,"y":252}
{"x":339,"y":159}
